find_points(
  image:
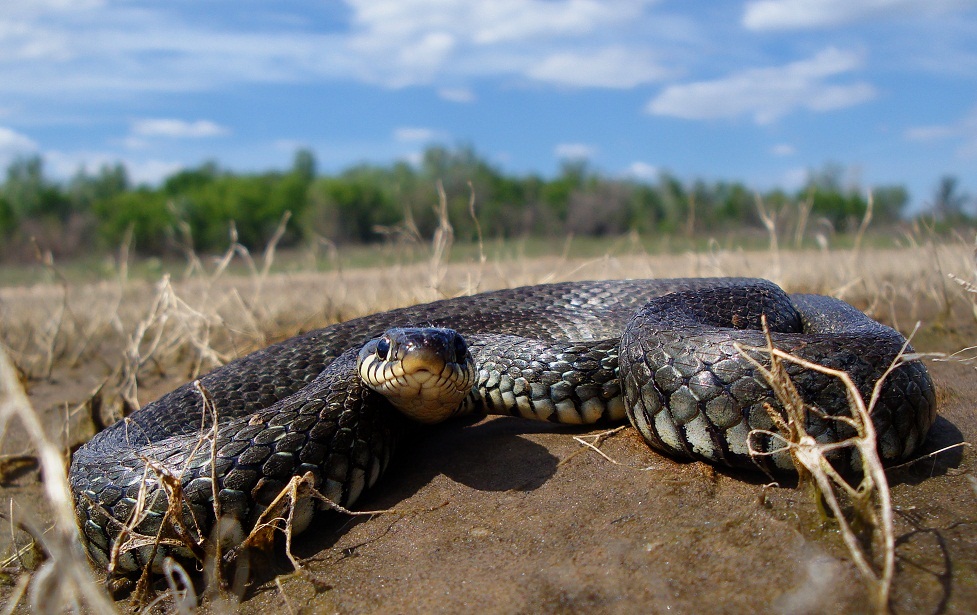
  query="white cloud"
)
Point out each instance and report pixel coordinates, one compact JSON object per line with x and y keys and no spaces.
{"x":65,"y":164}
{"x":458,"y":95}
{"x":12,"y":142}
{"x":413,"y":134}
{"x":98,"y":48}
{"x":768,"y":93}
{"x":574,"y":151}
{"x":387,"y":23}
{"x":783,"y":149}
{"x":642,"y":170}
{"x":291,"y":145}
{"x":504,"y":21}
{"x":414,"y":159}
{"x":151,"y":172}
{"x":795,"y":179}
{"x":797,"y":14}
{"x":963,"y":131}
{"x":613,"y":67}
{"x":930,"y":133}
{"x":177,"y":129}
{"x":42,"y":6}
{"x":406,"y":42}
{"x":101,"y":50}
{"x":134,"y":143}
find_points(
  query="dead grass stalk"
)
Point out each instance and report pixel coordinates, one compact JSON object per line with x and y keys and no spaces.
{"x":870,"y":518}
{"x":65,"y":578}
{"x":209,"y":315}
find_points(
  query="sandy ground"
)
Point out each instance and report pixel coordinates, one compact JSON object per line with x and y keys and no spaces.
{"x":509,"y":516}
{"x":524,"y":521}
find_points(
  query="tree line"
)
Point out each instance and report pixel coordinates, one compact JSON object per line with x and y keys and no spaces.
{"x":196,"y":207}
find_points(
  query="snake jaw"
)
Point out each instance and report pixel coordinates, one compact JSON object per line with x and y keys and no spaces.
{"x":426,"y":373}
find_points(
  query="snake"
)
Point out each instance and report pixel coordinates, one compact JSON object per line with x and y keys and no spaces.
{"x":335,"y":404}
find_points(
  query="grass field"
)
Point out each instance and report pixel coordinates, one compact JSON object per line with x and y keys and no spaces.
{"x":85,"y":352}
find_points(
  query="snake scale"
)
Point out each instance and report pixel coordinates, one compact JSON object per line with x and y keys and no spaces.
{"x":660,"y":352}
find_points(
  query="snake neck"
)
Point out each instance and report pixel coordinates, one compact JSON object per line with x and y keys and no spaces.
{"x":550,"y":380}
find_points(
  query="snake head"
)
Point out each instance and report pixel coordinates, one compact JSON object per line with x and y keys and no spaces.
{"x":426,"y":373}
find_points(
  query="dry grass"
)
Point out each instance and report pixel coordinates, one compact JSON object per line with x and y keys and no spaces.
{"x":870,"y":518}
{"x":129,"y":331}
{"x":202,"y":320}
{"x":64,"y":579}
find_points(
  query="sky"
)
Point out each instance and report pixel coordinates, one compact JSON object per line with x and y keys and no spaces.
{"x":758,"y":91}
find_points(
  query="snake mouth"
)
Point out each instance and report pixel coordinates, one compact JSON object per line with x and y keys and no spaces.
{"x":426,"y":373}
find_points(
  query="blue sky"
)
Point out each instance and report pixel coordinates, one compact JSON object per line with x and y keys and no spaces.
{"x":759,"y":91}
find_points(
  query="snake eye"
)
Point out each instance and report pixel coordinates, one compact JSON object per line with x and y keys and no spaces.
{"x":383,"y":348}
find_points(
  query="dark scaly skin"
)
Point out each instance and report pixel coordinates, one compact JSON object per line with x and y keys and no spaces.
{"x":691,"y":394}
{"x":538,"y":349}
{"x":338,"y":430}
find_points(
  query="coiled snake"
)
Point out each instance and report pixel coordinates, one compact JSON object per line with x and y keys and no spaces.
{"x":660,"y":352}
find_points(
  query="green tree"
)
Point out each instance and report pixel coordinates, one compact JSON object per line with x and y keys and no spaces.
{"x":675,"y":203}
{"x":737,"y":204}
{"x":304,"y":165}
{"x":843,"y":211}
{"x":8,"y":221}
{"x":348,"y":209}
{"x":889,"y":203}
{"x":556,"y":193}
{"x":144,"y":212}
{"x":30,"y":195}
{"x":647,"y":209}
{"x":843,"y":207}
{"x":948,"y":200}
{"x":185,"y":180}
{"x":600,"y":207}
{"x":460,"y":171}
{"x":84,"y":189}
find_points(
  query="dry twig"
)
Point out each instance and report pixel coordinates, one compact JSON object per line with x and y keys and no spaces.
{"x":872,"y":506}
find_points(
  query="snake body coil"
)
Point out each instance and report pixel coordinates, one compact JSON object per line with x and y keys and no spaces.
{"x":659,"y":351}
